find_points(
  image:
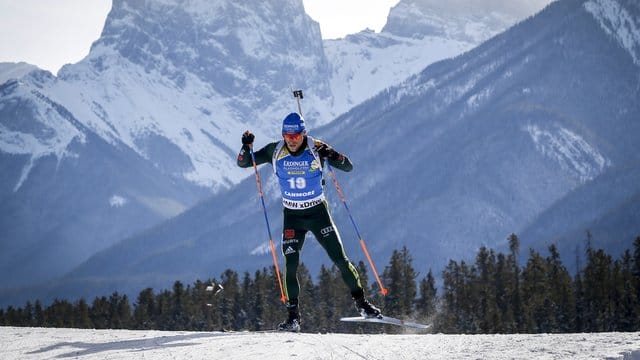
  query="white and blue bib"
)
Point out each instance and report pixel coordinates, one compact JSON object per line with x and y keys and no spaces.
{"x":300,"y":177}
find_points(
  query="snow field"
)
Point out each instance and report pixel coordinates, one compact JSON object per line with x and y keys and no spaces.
{"x":49,"y":343}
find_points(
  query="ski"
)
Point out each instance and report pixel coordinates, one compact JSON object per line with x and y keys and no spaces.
{"x":386,"y":320}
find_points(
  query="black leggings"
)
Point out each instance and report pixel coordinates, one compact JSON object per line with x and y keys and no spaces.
{"x":317,"y":220}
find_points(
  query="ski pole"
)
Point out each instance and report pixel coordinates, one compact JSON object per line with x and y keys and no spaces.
{"x":283,"y":298}
{"x":383,"y":290}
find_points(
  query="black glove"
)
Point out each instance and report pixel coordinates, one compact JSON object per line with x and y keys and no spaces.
{"x":247,"y":138}
{"x":325,"y":151}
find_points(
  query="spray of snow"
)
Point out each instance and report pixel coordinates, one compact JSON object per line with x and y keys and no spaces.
{"x":117,"y":201}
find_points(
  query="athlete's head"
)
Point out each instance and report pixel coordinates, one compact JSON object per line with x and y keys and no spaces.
{"x":293,"y":131}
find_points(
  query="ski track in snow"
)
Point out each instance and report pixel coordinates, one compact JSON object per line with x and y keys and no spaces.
{"x":49,"y":343}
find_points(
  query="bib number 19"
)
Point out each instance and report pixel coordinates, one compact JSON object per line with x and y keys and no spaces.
{"x":297,"y":183}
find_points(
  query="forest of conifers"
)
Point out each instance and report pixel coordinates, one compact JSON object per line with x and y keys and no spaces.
{"x":493,"y":294}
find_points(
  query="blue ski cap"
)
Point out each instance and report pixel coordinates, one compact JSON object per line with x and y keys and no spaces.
{"x":293,"y":124}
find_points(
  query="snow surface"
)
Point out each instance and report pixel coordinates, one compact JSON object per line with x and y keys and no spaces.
{"x":41,"y":343}
{"x":14,"y":70}
{"x":367,"y":63}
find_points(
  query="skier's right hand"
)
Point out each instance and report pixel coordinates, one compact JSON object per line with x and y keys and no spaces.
{"x":247,"y":138}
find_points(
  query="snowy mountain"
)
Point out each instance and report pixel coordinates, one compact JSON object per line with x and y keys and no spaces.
{"x":14,"y":70}
{"x":147,"y":124}
{"x":460,"y":155}
{"x":417,"y":34}
{"x":461,"y":20}
{"x":38,"y":343}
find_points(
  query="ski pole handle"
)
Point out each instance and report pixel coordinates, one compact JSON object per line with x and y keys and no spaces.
{"x":298,"y":95}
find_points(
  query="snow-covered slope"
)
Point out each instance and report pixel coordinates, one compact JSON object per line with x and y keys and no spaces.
{"x":39,"y":343}
{"x":366,"y":63}
{"x":619,"y":20}
{"x":14,"y":70}
{"x":461,"y":20}
{"x":417,"y":33}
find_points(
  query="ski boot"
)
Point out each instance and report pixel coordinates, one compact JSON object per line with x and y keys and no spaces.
{"x":365,"y":308}
{"x":293,"y":321}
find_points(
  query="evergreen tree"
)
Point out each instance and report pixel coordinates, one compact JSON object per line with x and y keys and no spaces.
{"x":38,"y":314}
{"x":179,"y":307}
{"x":248,"y":312}
{"x":561,"y":295}
{"x":60,"y":314}
{"x":205,"y":305}
{"x":229,"y":305}
{"x":276,"y":308}
{"x":12,"y":317}
{"x":536,"y":305}
{"x":342,"y":301}
{"x":513,"y":289}
{"x":616,"y":295}
{"x":504,"y":289}
{"x":392,"y":278}
{"x":119,"y":311}
{"x":630,"y":307}
{"x":145,"y":310}
{"x":164,"y":310}
{"x":578,"y":290}
{"x":597,"y":282}
{"x":325,"y":301}
{"x":259,"y":302}
{"x":81,"y":315}
{"x":486,"y":314}
{"x":27,"y":315}
{"x":426,"y":303}
{"x":308,"y":308}
{"x":99,"y":313}
{"x":457,"y":310}
{"x":635,"y":270}
{"x":399,"y":277}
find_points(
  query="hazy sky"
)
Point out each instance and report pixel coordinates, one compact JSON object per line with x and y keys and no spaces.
{"x":51,"y":33}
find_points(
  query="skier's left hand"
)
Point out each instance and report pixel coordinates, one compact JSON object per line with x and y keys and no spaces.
{"x":247,"y":138}
{"x":325,"y":151}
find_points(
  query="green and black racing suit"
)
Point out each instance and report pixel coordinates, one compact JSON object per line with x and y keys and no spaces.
{"x":311,"y":216}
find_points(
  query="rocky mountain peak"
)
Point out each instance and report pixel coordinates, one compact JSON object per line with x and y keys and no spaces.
{"x":462,"y":20}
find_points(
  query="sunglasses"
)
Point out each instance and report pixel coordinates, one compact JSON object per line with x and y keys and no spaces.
{"x":292,"y":137}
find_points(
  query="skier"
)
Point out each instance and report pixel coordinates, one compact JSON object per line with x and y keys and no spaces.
{"x":298,"y":161}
